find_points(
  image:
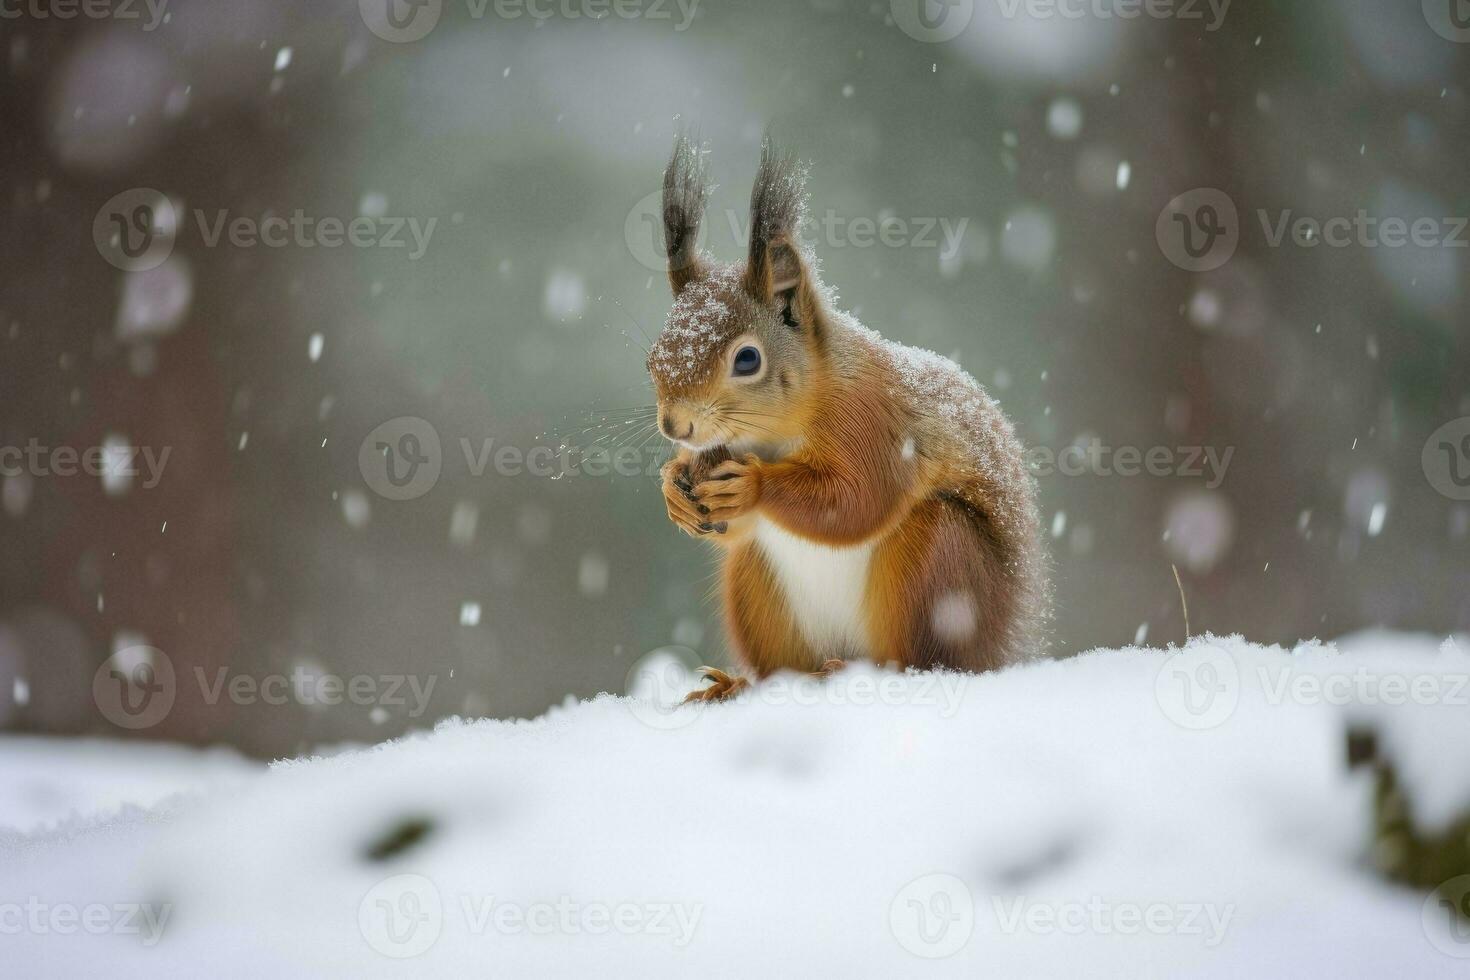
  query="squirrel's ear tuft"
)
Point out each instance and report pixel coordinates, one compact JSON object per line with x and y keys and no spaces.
{"x":776,"y":267}
{"x":686,"y":192}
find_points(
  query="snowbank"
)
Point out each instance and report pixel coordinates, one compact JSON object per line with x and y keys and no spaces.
{"x":46,"y":781}
{"x":1126,"y":813}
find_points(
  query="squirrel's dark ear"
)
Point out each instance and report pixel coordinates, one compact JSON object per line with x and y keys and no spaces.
{"x":686,"y":191}
{"x":776,"y":267}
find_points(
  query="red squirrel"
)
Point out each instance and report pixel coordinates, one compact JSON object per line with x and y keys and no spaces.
{"x":869,"y":500}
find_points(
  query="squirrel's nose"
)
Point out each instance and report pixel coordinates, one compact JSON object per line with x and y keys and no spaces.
{"x":666,"y":422}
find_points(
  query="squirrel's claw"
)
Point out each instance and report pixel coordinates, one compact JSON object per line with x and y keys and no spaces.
{"x":685,"y":511}
{"x":732,"y":468}
{"x":723,"y":686}
{"x":732,"y":490}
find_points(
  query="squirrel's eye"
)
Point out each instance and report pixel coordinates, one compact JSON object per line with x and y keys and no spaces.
{"x":747,"y":362}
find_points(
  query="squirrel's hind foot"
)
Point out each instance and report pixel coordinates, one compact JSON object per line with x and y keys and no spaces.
{"x":724,"y":686}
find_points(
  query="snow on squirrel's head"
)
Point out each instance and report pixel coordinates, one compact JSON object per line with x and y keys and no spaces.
{"x":742,"y":341}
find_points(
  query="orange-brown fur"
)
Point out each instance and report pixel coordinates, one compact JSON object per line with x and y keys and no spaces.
{"x":835,"y":451}
{"x":756,"y":615}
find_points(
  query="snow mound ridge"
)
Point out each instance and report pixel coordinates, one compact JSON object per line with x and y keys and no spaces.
{"x":1124,"y":813}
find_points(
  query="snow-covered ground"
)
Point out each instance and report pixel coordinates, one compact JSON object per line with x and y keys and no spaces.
{"x":47,"y":781}
{"x":1126,"y":813}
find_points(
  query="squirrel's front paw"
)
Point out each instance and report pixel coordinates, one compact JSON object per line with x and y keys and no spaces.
{"x":685,"y":510}
{"x":733,"y":489}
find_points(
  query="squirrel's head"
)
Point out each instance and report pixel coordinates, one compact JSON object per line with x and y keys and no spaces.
{"x":743,"y":344}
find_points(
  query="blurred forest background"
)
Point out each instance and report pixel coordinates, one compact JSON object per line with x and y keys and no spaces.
{"x":1056,"y":144}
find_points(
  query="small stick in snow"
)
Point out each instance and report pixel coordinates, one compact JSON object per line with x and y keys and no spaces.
{"x":1182,"y":601}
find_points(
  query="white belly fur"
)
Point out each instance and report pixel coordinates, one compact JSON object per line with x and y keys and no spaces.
{"x":824,"y":588}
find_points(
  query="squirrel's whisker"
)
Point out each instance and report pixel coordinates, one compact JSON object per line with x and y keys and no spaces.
{"x":634,"y":434}
{"x":622,"y":309}
{"x":729,"y":430}
{"x":639,"y":410}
